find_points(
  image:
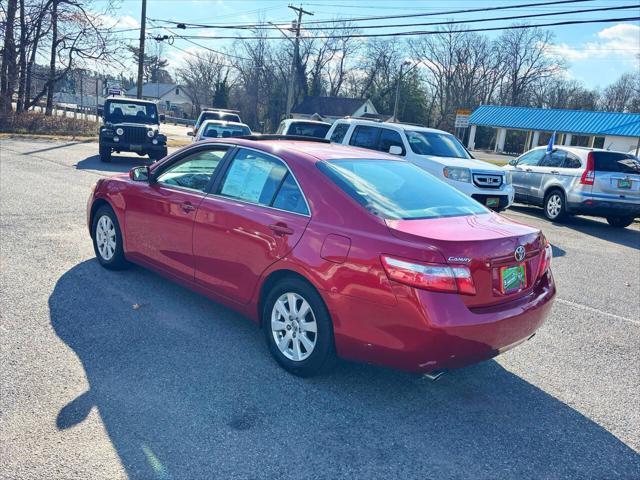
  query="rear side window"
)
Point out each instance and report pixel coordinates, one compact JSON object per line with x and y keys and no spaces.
{"x":365,"y":137}
{"x":572,"y":162}
{"x":616,"y":162}
{"x":339,"y":132}
{"x":555,"y":159}
{"x":258,"y":178}
{"x":394,"y":189}
{"x":316,"y":130}
{"x":390,"y":138}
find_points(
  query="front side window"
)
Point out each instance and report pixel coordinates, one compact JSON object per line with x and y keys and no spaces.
{"x":365,"y":137}
{"x":390,"y":138}
{"x":339,"y":132}
{"x":258,"y":178}
{"x":532,"y":158}
{"x":194,"y":171}
{"x":436,"y":144}
{"x":394,"y":189}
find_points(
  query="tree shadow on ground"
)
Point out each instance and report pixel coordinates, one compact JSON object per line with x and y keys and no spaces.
{"x":186,"y":389}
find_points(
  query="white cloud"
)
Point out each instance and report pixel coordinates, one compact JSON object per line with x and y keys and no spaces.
{"x":126,"y":21}
{"x":621,"y":41}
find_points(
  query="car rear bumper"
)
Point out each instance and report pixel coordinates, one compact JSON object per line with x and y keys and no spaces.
{"x":604,"y":208}
{"x":429,"y":331}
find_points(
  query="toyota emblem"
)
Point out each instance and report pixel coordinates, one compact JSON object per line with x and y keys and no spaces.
{"x":519,"y":253}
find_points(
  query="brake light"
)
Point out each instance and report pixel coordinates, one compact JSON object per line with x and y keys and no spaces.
{"x":589,"y":174}
{"x":430,"y":276}
{"x":545,"y":260}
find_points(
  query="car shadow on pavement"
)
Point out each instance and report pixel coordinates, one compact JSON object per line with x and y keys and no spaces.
{"x":119,"y":163}
{"x":628,"y":237}
{"x":186,"y":389}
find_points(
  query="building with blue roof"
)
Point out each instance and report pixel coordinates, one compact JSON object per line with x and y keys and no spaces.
{"x":610,"y":130}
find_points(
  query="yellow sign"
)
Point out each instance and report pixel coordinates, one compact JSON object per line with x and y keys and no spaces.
{"x":463,"y":112}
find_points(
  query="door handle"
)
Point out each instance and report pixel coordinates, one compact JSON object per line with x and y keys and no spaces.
{"x":281,"y":229}
{"x":528,"y":170}
{"x":555,"y":172}
{"x":187,"y":207}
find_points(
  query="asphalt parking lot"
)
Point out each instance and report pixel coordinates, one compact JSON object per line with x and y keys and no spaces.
{"x":108,"y":375}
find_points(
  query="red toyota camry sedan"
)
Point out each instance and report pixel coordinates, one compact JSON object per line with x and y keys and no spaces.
{"x":335,"y":251}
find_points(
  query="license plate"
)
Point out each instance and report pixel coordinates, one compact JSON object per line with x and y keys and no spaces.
{"x":135,"y":147}
{"x":492,"y":202}
{"x":513,"y":278}
{"x":624,"y":183}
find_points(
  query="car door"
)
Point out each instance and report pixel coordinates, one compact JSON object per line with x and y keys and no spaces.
{"x":255,"y":216}
{"x":523,"y":176}
{"x":159,"y":216}
{"x":365,"y":136}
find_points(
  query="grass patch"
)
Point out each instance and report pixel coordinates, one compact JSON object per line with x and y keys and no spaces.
{"x":35,"y":123}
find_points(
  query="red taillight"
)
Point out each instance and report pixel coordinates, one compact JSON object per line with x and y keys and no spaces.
{"x":545,"y":259}
{"x":589,"y":175}
{"x":430,"y":276}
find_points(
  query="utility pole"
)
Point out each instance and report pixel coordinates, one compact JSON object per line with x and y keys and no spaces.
{"x":395,"y":105}
{"x":143,"y":24}
{"x":294,"y":61}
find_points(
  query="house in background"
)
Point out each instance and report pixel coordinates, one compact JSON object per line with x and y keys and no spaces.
{"x":172,"y":99}
{"x":329,"y":109}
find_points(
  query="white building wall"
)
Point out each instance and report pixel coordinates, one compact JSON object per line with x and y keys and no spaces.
{"x":621,"y":144}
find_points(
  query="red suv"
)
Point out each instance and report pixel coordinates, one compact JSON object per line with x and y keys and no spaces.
{"x":333,"y":250}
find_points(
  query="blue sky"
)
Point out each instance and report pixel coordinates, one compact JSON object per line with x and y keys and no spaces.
{"x":596,"y":53}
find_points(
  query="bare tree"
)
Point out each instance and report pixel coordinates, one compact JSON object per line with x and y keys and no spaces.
{"x":9,"y":67}
{"x":205,"y":77}
{"x":623,"y":95}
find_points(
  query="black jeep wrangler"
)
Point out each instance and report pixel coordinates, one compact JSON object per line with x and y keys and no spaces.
{"x":131,"y":125}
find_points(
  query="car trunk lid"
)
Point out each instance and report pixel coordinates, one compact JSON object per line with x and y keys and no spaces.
{"x":486,"y":244}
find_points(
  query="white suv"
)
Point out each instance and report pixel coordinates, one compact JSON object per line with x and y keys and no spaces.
{"x":435,"y":151}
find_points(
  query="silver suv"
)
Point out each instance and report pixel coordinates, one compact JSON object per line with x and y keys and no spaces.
{"x":575,"y":180}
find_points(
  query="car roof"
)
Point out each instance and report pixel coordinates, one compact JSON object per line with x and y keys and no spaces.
{"x":311,"y":150}
{"x":129,"y":100}
{"x":223,"y":122}
{"x":391,"y":125}
{"x":577,"y":150}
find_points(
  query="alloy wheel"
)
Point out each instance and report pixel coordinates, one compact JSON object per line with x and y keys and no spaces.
{"x":293,"y":326}
{"x":106,"y":237}
{"x":554,"y":205}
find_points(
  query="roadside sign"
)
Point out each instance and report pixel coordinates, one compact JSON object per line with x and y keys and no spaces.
{"x":462,"y":118}
{"x":114,"y":88}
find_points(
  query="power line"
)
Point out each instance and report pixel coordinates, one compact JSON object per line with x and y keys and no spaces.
{"x":452,"y":22}
{"x":387,"y":17}
{"x":425,"y":32}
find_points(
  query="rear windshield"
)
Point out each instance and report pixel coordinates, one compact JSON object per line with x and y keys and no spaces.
{"x":436,"y":144}
{"x":214,"y":130}
{"x":616,"y":162}
{"x":316,"y":130}
{"x":394,"y":189}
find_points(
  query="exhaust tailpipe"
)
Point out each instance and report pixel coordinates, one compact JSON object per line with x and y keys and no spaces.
{"x":435,"y":375}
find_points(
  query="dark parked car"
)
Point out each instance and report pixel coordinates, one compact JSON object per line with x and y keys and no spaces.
{"x":131,"y":125}
{"x":334,"y":250}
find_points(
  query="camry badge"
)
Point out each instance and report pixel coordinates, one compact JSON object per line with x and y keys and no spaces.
{"x":459,"y":259}
{"x":519,"y":253}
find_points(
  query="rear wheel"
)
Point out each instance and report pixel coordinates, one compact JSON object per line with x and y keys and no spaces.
{"x":620,"y":222}
{"x":298,"y":328}
{"x":105,"y":154}
{"x":554,"y":206}
{"x":107,"y":239}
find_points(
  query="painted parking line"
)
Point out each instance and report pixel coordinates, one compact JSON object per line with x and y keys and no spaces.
{"x":598,"y":311}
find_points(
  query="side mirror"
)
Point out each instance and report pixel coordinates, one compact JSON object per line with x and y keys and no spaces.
{"x":191,"y":133}
{"x":513,"y":162}
{"x":395,"y":150}
{"x":140,"y":174}
{"x":162,"y":117}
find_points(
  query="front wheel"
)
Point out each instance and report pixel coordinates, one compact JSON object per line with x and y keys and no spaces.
{"x":298,"y":328}
{"x":105,"y":154}
{"x":620,"y":222}
{"x":107,"y":239}
{"x":155,"y":156}
{"x":554,"y":206}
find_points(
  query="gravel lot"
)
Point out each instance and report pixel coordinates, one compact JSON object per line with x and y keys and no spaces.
{"x":108,"y":375}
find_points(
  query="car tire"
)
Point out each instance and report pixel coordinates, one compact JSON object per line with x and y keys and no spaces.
{"x":555,"y":206}
{"x":107,"y":239}
{"x":105,"y":154}
{"x":292,"y":340}
{"x":158,"y":155}
{"x":620,"y":222}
